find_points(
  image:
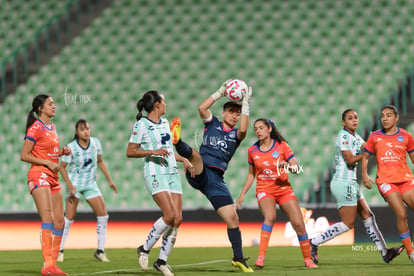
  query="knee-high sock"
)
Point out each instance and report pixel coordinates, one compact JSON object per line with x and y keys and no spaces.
{"x":56,"y":240}
{"x":158,"y":228}
{"x":265,"y":234}
{"x":236,"y":242}
{"x":68,"y":223}
{"x":330,"y":233}
{"x":305,"y":246}
{"x":101,"y":225}
{"x":183,"y":149}
{"x":406,"y":240}
{"x":375,"y":234}
{"x":168,"y":241}
{"x":46,"y":243}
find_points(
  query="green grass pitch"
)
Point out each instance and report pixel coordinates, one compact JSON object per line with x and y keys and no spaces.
{"x":358,"y":259}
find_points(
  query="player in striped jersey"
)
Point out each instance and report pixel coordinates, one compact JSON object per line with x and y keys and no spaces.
{"x":151,"y":141}
{"x":348,"y":193}
{"x":271,"y":160}
{"x":394,"y":179}
{"x":80,"y":178}
{"x":41,"y":150}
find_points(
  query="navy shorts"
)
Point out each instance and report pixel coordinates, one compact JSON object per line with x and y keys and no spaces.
{"x":211,"y":183}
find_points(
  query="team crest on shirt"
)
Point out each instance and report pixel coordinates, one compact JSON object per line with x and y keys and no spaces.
{"x":275,"y":154}
{"x":400,"y":138}
{"x":155,"y":183}
{"x":232,"y":134}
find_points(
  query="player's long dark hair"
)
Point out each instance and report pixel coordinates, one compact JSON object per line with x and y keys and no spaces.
{"x":147,"y":102}
{"x":274,"y":134}
{"x":37,"y":103}
{"x":80,"y":122}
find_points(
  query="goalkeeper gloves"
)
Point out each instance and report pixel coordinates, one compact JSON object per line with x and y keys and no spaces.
{"x":220,"y":92}
{"x":246,"y":101}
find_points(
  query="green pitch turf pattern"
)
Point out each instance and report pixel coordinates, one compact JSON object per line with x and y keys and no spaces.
{"x":358,"y":259}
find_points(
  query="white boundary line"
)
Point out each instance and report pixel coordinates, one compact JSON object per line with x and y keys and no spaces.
{"x":137,"y":268}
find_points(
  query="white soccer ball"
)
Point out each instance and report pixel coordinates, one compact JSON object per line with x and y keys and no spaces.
{"x":235,"y":90}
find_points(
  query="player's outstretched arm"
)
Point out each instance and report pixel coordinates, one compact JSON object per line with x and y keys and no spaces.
{"x":203,"y":108}
{"x":244,"y":119}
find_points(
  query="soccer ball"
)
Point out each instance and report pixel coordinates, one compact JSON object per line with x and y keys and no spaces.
{"x":235,"y":89}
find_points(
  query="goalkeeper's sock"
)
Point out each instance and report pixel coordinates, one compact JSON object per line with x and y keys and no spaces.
{"x":236,"y":242}
{"x":183,"y":149}
{"x":46,"y":243}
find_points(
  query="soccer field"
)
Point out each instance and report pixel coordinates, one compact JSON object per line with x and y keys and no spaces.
{"x":358,"y":259}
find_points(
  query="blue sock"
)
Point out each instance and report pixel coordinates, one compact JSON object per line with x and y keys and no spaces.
{"x":183,"y":149}
{"x":236,"y":242}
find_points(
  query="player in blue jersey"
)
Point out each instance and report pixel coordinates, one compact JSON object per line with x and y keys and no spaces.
{"x":151,"y":141}
{"x":220,"y":141}
{"x":79,"y":172}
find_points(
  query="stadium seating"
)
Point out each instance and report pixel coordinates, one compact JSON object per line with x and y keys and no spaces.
{"x":21,"y":19}
{"x":306,"y":60}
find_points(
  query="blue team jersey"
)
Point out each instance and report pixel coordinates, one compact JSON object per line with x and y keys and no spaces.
{"x":218,"y":144}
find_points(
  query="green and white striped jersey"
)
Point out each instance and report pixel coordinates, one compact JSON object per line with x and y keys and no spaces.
{"x":346,"y":141}
{"x":152,"y":136}
{"x":83,"y":162}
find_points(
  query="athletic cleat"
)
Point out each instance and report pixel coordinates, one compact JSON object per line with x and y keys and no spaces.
{"x":314,"y":253}
{"x":52,"y":270}
{"x":101,"y":256}
{"x":163,"y":267}
{"x":142,"y":258}
{"x":241,"y":263}
{"x":260,"y":262}
{"x":310,"y":263}
{"x":411,"y":257}
{"x":392,"y":253}
{"x":60,"y":257}
{"x":175,"y":128}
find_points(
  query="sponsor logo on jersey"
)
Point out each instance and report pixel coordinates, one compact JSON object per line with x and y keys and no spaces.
{"x":267,"y":172}
{"x":389,"y":156}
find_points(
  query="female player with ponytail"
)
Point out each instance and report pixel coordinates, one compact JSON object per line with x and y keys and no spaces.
{"x":151,"y":140}
{"x":270,"y":161}
{"x":41,"y":150}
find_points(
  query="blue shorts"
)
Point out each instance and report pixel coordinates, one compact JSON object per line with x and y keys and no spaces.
{"x":211,"y":183}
